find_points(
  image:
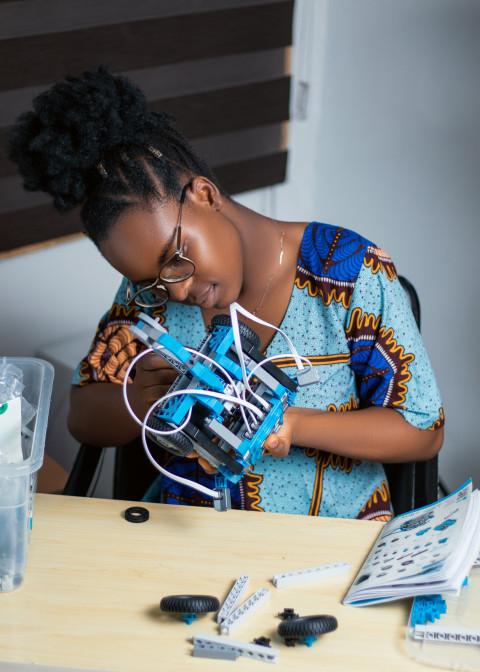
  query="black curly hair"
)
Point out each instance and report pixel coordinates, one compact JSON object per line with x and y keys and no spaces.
{"x":91,"y":141}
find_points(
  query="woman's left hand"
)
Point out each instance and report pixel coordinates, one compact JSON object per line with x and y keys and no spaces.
{"x":278,"y":445}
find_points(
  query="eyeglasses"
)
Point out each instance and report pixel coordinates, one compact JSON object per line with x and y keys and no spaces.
{"x":177,"y":268}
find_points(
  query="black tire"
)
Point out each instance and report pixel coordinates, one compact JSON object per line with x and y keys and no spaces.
{"x":246,"y":333}
{"x":178,"y":443}
{"x":307,"y":626}
{"x":189,"y":604}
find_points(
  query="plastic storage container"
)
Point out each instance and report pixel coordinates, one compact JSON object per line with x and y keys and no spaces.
{"x":18,"y":481}
{"x":452,"y":640}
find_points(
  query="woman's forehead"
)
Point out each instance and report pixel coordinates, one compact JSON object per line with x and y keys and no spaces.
{"x":139,"y":238}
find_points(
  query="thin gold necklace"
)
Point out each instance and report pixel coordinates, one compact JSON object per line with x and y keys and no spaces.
{"x":272,"y":275}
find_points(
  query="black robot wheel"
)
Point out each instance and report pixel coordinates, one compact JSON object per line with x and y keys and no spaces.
{"x":307,"y":626}
{"x":189,"y":604}
{"x":246,"y":333}
{"x":177,"y":443}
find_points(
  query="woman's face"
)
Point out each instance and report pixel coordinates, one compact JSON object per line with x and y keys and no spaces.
{"x":143,"y":239}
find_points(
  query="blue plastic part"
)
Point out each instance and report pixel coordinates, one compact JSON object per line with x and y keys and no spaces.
{"x":233,"y":368}
{"x":427,"y":608}
{"x":207,"y":377}
{"x":221,"y":340}
{"x":175,"y":347}
{"x":189,"y":618}
{"x":215,"y":405}
{"x":220,"y":481}
{"x":176,"y":409}
{"x":309,"y":640}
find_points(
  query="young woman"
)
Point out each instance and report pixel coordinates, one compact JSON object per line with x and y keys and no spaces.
{"x":187,"y":251}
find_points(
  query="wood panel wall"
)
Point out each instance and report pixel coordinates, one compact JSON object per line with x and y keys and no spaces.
{"x":222,"y":67}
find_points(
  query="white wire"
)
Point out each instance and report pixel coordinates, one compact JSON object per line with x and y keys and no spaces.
{"x":273,"y":358}
{"x":236,"y":308}
{"x":192,"y":351}
{"x":216,"y":395}
{"x":125,"y":383}
{"x":184,"y":481}
{"x":236,"y":399}
{"x":174,"y":430}
{"x":241,"y":357}
{"x":174,"y":477}
{"x":229,"y":378}
{"x":293,"y":351}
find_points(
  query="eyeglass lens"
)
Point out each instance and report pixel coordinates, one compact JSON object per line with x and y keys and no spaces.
{"x":152,"y":297}
{"x":178,"y":269}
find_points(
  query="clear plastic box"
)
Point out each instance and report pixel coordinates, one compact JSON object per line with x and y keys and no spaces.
{"x":452,"y":641}
{"x":18,"y":481}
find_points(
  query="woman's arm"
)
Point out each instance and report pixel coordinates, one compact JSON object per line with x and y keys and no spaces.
{"x":374,"y":433}
{"x":98,"y":415}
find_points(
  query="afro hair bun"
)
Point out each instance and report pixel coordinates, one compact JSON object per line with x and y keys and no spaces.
{"x":77,"y":124}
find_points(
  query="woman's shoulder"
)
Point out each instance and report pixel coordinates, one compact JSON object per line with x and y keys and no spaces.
{"x":333,"y":252}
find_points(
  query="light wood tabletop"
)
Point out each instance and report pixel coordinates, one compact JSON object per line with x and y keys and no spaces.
{"x":94,"y":583}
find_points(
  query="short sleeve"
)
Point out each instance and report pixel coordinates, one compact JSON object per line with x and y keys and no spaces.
{"x":387,"y":352}
{"x":114,"y":345}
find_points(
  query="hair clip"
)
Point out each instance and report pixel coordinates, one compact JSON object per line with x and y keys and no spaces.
{"x":156,"y":152}
{"x":102,"y":170}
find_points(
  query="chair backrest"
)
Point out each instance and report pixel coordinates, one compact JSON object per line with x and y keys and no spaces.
{"x":412,"y":484}
{"x":133,"y":472}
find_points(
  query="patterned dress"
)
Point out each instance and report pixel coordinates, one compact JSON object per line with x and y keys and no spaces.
{"x":357,"y":329}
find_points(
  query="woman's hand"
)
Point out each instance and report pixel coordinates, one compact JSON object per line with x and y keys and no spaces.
{"x":278,"y":445}
{"x":206,"y":466}
{"x":153,"y":378}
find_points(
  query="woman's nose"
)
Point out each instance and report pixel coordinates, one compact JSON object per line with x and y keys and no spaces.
{"x":178,"y":291}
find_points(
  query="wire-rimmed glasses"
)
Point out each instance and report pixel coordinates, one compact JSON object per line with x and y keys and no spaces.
{"x":177,"y":268}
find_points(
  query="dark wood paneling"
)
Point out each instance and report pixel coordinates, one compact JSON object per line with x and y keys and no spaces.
{"x":234,"y":116}
{"x":255,"y":174}
{"x":6,"y":167}
{"x":36,"y":225}
{"x":144,"y":44}
{"x":43,"y":223}
{"x":211,"y":113}
{"x":229,"y":110}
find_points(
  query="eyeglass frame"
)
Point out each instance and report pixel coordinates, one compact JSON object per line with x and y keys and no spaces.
{"x":160,"y":282}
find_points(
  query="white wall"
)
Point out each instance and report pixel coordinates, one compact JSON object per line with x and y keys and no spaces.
{"x":398,"y":158}
{"x":391,"y":148}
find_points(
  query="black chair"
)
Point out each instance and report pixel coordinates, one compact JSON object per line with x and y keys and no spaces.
{"x":412,"y":484}
{"x":132,"y":474}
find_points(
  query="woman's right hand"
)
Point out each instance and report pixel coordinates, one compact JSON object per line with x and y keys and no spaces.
{"x":153,"y":378}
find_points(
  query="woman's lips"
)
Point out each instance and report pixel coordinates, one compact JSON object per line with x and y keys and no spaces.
{"x":207,"y":300}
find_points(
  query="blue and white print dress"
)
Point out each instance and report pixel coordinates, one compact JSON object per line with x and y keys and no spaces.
{"x":349,"y":315}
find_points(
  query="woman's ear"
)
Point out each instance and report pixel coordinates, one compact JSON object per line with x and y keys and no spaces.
{"x":204,"y":192}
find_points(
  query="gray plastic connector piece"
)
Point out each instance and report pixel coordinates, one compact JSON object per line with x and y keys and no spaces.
{"x":214,"y":646}
{"x":224,"y":502}
{"x":244,"y":612}
{"x":311,"y":574}
{"x":307,"y":376}
{"x":201,"y":650}
{"x":233,"y":597}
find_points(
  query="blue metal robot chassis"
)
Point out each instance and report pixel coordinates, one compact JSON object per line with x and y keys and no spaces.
{"x":215,"y":428}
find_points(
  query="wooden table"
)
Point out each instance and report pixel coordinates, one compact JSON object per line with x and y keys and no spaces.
{"x":94,"y":583}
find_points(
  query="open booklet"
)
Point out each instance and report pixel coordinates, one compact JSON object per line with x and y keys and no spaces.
{"x":426,"y":551}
